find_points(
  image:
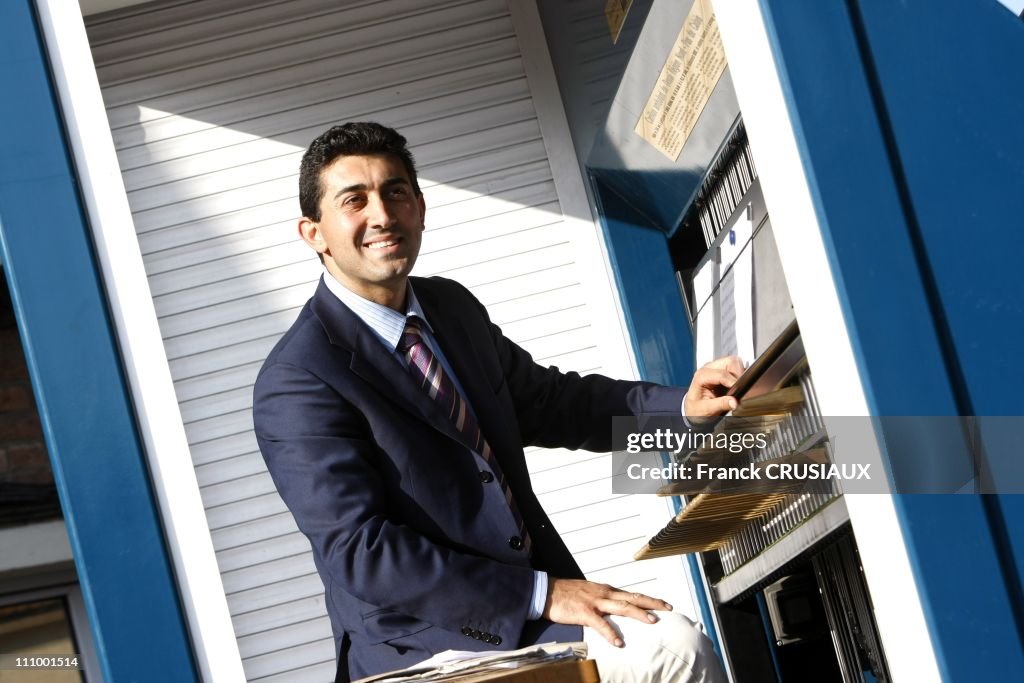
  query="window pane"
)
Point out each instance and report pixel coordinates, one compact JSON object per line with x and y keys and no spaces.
{"x":36,"y":629}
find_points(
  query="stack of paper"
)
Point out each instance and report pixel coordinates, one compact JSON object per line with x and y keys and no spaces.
{"x":466,"y":666}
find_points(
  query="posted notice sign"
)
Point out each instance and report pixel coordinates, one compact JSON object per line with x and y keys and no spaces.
{"x":687,"y":80}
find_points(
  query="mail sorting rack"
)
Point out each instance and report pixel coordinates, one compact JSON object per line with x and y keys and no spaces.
{"x":804,"y":428}
{"x":740,"y":524}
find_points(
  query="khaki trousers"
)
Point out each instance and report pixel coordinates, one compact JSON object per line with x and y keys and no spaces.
{"x":673,"y":649}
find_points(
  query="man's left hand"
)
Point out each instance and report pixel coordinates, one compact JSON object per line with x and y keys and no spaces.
{"x":575,"y":601}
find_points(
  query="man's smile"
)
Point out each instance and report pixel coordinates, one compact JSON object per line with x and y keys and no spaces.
{"x":383,"y":242}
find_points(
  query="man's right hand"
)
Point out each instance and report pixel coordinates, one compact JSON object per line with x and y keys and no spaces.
{"x":575,"y":601}
{"x":705,"y":397}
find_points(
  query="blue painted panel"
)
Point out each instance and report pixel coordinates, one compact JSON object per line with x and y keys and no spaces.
{"x":87,"y":416}
{"x":956,"y":114}
{"x":653,"y":306}
{"x":956,"y":118}
{"x":662,"y":196}
{"x":871,"y":234}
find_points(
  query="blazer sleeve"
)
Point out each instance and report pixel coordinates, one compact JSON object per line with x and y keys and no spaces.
{"x":567,"y":410}
{"x":319,"y":454}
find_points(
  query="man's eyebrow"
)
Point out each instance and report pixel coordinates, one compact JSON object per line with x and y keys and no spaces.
{"x":361,"y":187}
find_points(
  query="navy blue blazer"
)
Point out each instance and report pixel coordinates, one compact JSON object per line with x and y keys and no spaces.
{"x":411,"y":537}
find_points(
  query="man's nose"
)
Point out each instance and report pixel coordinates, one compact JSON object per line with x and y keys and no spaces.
{"x":377,"y":211}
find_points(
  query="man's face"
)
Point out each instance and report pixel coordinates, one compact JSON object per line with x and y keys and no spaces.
{"x":370,"y":227}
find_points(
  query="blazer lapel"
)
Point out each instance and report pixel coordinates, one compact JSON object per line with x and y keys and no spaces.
{"x":372,"y":362}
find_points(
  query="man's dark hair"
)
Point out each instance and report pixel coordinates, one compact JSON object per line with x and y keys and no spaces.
{"x":353,"y":138}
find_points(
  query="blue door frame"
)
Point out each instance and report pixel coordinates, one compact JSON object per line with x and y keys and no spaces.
{"x":119,"y":550}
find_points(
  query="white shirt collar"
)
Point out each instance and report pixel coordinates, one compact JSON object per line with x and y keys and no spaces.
{"x":387,"y":323}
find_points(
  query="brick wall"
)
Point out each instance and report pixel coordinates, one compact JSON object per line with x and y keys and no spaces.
{"x":27,"y":490}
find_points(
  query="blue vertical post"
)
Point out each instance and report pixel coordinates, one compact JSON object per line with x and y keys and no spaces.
{"x":120,"y":555}
{"x":895,"y":124}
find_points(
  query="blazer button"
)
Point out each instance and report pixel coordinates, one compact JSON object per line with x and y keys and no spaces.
{"x":495,"y":640}
{"x":475,"y":634}
{"x":515,"y":543}
{"x":486,"y":477}
{"x":467,"y":631}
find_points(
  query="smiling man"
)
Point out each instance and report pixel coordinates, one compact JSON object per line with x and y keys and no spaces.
{"x":363,"y":214}
{"x":393,"y":416}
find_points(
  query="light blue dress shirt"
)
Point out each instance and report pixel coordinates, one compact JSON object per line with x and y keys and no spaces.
{"x":388,"y":325}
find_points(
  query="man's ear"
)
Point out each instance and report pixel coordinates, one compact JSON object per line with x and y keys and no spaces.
{"x":423,"y":211}
{"x":309,"y":231}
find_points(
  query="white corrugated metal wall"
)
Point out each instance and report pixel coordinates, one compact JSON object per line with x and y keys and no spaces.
{"x":211,"y":104}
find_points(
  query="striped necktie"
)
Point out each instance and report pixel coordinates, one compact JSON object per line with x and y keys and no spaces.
{"x":426,"y":369}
